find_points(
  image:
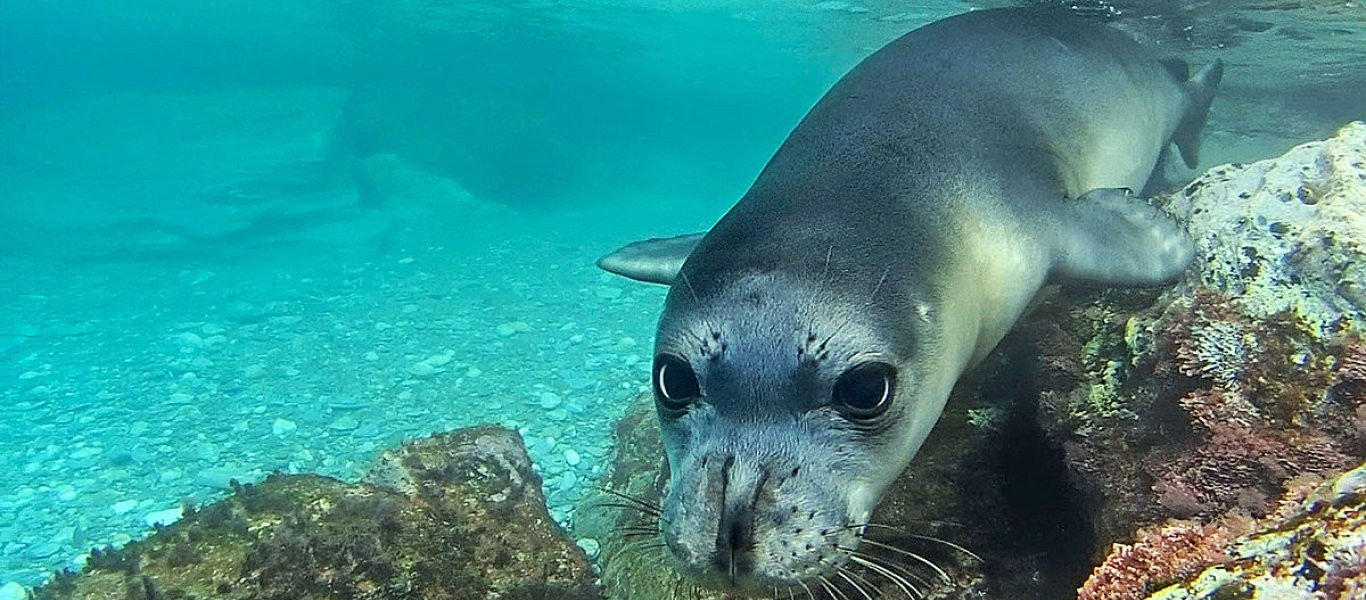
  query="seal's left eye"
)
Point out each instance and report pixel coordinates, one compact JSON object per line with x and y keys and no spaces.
{"x":675,"y":382}
{"x":865,"y":391}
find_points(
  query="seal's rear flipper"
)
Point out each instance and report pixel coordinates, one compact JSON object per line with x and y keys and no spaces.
{"x":1110,"y":237}
{"x":652,"y":261}
{"x":1200,"y":89}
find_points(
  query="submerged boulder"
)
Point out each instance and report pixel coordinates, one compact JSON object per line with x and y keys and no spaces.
{"x":1313,"y":545}
{"x":1190,"y":415}
{"x":1120,"y":441}
{"x":453,"y":516}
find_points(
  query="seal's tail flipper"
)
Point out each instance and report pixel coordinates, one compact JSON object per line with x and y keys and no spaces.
{"x":652,"y":261}
{"x":1110,"y":237}
{"x":1200,"y":90}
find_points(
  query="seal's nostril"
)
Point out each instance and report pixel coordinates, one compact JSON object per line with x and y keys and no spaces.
{"x":740,"y":534}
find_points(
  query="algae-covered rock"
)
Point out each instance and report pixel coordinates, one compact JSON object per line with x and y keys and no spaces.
{"x":1312,"y":546}
{"x":1288,"y":234}
{"x":454,"y":516}
{"x":1189,"y":415}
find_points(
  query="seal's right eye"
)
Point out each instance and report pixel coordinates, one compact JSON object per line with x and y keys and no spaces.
{"x":675,"y":382}
{"x":865,"y":391}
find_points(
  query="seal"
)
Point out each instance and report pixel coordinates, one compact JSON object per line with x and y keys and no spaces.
{"x":810,"y":340}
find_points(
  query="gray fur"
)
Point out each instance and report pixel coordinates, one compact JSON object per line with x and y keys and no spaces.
{"x":910,"y":218}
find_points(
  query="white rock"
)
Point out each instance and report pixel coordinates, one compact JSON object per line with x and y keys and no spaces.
{"x":512,"y":327}
{"x":572,"y":457}
{"x":188,"y":339}
{"x":282,"y":427}
{"x":439,"y":360}
{"x":371,"y":356}
{"x":1287,"y":233}
{"x":347,"y":423}
{"x":422,"y":369}
{"x":123,"y":506}
{"x":590,"y":546}
{"x":163,"y":517}
{"x":473,"y":372}
{"x":549,"y":400}
{"x":13,"y":591}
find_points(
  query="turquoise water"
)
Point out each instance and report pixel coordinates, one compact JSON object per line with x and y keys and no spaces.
{"x":256,"y":237}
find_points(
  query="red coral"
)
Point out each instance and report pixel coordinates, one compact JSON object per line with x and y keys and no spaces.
{"x":1215,"y":408}
{"x":1238,"y":466}
{"x":1170,"y":552}
{"x":1350,"y":375}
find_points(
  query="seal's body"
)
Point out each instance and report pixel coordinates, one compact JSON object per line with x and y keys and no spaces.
{"x":815,"y":333}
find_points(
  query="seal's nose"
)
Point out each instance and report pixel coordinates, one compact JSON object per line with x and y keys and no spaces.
{"x":740,"y":489}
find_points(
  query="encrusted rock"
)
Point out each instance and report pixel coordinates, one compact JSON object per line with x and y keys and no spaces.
{"x":1186,"y":417}
{"x":458,"y":516}
{"x":1312,"y":547}
{"x":1287,"y":234}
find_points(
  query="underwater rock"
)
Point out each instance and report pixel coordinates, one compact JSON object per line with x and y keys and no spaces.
{"x":1151,"y":432}
{"x":1287,"y":234}
{"x":1312,"y":546}
{"x":453,"y":516}
{"x":1186,"y":415}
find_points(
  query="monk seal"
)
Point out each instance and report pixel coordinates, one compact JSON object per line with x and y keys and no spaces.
{"x":810,"y":339}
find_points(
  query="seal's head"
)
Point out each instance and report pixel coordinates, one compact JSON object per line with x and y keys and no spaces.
{"x":784,"y":420}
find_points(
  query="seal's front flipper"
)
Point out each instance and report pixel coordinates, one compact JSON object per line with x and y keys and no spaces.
{"x":652,"y":261}
{"x":1200,"y":92}
{"x":1109,"y":236}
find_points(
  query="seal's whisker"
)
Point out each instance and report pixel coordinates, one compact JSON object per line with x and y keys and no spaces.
{"x":907,"y":553}
{"x":864,"y":581}
{"x":635,"y":537}
{"x":904,"y":570}
{"x":809,"y":595}
{"x":638,"y":530}
{"x":927,"y":538}
{"x":629,"y":507}
{"x":629,"y":498}
{"x":854,"y":584}
{"x":825,"y":275}
{"x":829,"y":588}
{"x":900,"y":582}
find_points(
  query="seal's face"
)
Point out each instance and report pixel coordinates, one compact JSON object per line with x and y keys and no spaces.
{"x":782,"y":429}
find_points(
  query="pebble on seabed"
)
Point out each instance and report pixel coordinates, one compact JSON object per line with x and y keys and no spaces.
{"x":232,"y":399}
{"x":13,"y":591}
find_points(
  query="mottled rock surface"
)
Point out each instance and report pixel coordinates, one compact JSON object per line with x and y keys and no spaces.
{"x":1187,"y":416}
{"x":1286,"y":235}
{"x":1313,"y":546}
{"x":454,"y":516}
